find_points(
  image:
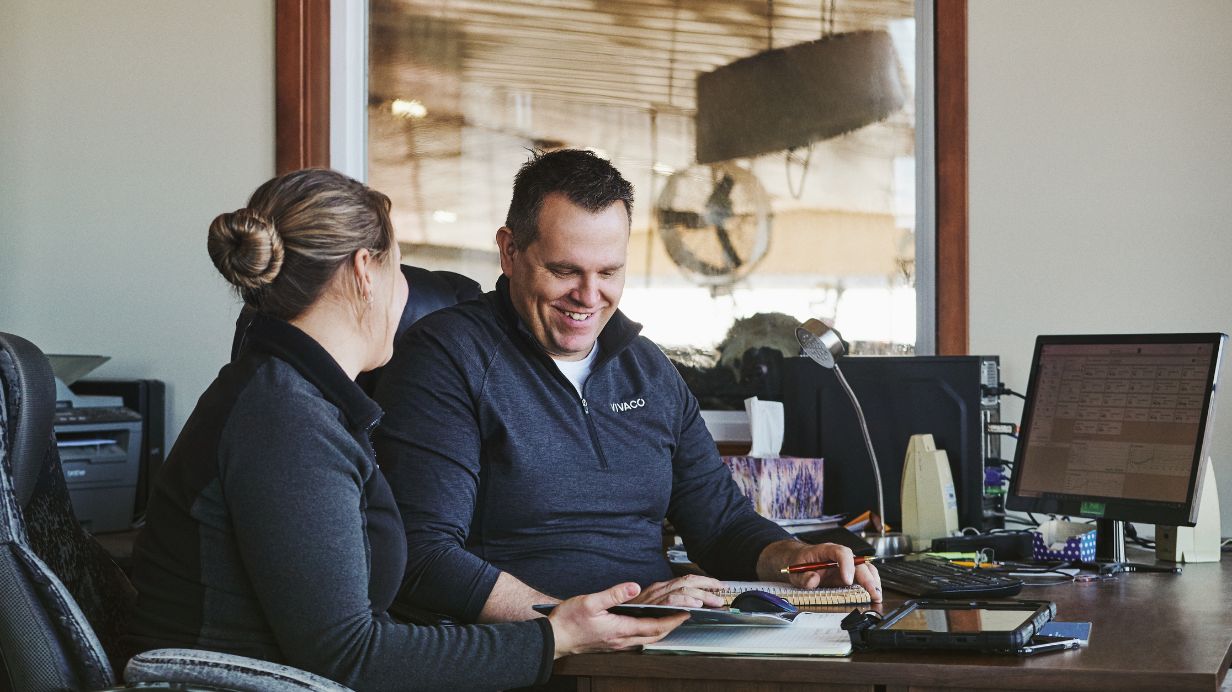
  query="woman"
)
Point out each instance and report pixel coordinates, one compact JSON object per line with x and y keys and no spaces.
{"x":272,"y":533}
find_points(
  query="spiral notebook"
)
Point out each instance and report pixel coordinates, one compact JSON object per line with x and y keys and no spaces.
{"x":835,"y":595}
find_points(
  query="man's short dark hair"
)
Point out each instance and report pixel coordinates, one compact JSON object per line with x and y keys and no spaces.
{"x":588,"y":181}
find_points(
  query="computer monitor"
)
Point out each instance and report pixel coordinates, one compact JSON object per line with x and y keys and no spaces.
{"x":901,"y":396}
{"x":1116,"y":427}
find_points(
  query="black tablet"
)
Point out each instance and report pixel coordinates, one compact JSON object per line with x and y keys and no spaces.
{"x":1001,"y":626}
{"x":697,"y":616}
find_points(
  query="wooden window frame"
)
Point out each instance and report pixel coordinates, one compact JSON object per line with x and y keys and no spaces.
{"x":301,"y":67}
{"x":302,"y":135}
{"x":950,"y":130}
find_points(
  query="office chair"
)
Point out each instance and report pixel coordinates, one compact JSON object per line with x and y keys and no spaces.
{"x":429,"y":291}
{"x":63,"y":599}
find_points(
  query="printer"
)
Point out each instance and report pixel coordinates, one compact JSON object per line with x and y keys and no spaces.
{"x":99,"y":441}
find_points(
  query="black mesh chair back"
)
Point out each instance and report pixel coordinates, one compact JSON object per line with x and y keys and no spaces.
{"x":63,"y":597}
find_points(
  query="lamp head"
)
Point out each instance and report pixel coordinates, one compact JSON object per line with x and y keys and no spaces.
{"x":820,"y":342}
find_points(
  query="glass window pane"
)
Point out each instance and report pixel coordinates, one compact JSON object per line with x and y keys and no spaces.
{"x":459,"y":91}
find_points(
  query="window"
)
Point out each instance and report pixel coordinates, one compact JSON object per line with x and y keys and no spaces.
{"x":301,"y":136}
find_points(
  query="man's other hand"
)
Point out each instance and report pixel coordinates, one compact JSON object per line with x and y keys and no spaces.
{"x":690,"y":591}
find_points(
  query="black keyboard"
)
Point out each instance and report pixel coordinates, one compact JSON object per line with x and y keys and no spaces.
{"x":941,"y":579}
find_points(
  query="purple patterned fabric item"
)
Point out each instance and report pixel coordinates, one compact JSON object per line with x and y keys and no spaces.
{"x":780,"y":487}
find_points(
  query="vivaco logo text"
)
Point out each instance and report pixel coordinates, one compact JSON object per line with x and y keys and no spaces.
{"x":628,"y":405}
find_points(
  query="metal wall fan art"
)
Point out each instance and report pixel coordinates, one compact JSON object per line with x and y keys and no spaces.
{"x":714,"y":222}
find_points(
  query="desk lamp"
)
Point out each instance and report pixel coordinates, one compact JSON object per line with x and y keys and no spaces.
{"x":824,"y":345}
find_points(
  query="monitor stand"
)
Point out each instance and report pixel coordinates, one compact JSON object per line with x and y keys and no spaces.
{"x":1109,"y":541}
{"x":1110,"y":551}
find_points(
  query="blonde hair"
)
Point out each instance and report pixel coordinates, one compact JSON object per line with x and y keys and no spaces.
{"x":297,"y":230}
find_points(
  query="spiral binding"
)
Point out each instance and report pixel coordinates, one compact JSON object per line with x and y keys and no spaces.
{"x":838,"y":595}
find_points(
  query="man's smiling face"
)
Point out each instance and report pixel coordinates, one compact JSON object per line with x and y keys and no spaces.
{"x":567,"y":283}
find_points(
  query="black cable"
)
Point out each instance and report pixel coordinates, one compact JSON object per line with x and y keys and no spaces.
{"x":769,"y":24}
{"x":1052,"y":576}
{"x":797,"y":191}
{"x":1061,"y":577}
{"x":1000,"y":390}
{"x":1131,"y":534}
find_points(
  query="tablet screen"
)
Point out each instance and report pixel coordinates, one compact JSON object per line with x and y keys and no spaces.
{"x":961,"y":620}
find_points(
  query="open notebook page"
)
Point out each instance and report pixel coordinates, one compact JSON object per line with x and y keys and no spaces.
{"x":810,"y":634}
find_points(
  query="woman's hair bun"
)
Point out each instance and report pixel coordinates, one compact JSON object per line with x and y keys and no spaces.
{"x":246,"y":248}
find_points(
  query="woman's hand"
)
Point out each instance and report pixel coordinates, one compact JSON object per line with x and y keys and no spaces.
{"x":583,"y":625}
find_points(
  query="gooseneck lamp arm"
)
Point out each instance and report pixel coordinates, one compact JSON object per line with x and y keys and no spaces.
{"x":824,"y":345}
{"x":868,"y":444}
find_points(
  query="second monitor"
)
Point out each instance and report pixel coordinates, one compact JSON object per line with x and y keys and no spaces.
{"x":1116,"y":427}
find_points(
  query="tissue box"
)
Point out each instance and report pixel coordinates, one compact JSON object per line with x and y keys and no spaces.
{"x":1064,"y":540}
{"x":779,"y":487}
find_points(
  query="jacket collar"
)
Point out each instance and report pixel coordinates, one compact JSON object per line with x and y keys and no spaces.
{"x":617,"y":334}
{"x":302,"y":352}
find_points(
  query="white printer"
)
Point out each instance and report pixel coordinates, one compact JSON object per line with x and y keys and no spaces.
{"x":99,"y":442}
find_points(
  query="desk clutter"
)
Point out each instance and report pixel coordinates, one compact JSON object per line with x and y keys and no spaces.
{"x":953,"y":585}
{"x":994,"y":626}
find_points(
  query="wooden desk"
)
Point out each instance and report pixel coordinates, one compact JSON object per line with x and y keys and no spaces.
{"x":1150,"y":632}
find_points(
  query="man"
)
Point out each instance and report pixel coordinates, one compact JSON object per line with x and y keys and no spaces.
{"x":535,"y":442}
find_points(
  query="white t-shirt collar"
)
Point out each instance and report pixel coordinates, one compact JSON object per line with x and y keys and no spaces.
{"x":576,"y":371}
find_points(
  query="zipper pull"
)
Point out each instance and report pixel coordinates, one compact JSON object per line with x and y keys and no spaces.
{"x":585,"y":408}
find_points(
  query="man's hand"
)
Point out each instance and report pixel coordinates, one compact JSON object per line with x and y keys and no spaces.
{"x":785,"y":553}
{"x":583,"y":625}
{"x":690,"y":591}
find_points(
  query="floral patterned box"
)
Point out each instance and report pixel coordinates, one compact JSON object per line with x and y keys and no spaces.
{"x":780,"y":487}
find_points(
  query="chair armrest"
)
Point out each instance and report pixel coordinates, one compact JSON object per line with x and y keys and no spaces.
{"x":240,"y":673}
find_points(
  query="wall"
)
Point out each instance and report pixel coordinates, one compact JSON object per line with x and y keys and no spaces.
{"x":1100,"y":176}
{"x":126,"y":126}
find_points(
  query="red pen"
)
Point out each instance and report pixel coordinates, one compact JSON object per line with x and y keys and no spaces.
{"x":818,"y":566}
